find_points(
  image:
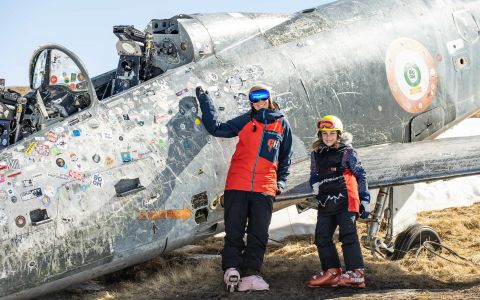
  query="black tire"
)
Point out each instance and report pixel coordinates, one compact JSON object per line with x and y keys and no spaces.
{"x":412,"y":238}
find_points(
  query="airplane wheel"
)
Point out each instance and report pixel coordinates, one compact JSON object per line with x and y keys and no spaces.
{"x":412,"y":239}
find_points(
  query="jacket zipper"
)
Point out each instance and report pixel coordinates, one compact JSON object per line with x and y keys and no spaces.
{"x":259,"y":149}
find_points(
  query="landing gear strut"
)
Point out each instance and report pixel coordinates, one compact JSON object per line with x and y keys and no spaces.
{"x":414,"y":237}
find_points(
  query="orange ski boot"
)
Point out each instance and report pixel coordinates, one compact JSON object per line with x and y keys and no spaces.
{"x":328,"y":278}
{"x":354,"y":278}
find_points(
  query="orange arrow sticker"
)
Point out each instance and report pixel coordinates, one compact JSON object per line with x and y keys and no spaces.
{"x":184,"y":214}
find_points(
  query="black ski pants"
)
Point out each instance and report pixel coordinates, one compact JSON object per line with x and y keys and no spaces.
{"x":243,"y":207}
{"x":352,"y":254}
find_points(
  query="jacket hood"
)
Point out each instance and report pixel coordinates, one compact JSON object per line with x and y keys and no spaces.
{"x":267,"y":115}
{"x":346,"y":139}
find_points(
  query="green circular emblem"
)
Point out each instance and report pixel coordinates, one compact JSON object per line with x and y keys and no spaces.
{"x":412,"y":74}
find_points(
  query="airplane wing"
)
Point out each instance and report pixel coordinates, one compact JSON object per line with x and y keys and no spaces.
{"x":398,"y":164}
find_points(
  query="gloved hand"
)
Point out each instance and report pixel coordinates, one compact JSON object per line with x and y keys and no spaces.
{"x":364,"y":209}
{"x":315,"y":188}
{"x":280,"y":189}
{"x":199,"y":90}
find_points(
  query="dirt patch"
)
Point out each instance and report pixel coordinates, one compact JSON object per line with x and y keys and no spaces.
{"x":194,"y":272}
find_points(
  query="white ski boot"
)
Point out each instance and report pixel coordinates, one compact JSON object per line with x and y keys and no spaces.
{"x":253,"y":283}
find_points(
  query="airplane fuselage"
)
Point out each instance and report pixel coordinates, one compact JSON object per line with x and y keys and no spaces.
{"x":136,"y":174}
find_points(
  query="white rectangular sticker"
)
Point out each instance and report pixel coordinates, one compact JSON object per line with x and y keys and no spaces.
{"x":35,"y":193}
{"x":455,"y":46}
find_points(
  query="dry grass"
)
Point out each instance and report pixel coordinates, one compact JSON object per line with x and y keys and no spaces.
{"x":20,"y":89}
{"x":287,"y":267}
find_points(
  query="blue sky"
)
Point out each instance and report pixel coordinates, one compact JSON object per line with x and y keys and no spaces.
{"x":85,"y":27}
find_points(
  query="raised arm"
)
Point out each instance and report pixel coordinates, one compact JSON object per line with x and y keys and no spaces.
{"x":210,"y":118}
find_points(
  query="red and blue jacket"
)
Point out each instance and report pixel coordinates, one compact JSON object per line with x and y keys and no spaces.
{"x":343,"y":181}
{"x":264,"y":149}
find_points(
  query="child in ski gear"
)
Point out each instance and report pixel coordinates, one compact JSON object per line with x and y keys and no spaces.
{"x":258,"y":172}
{"x":340,"y":184}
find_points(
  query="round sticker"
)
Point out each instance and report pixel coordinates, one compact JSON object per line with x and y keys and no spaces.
{"x":53,"y":79}
{"x":62,"y":144}
{"x":96,"y":158}
{"x":20,"y":221}
{"x":60,"y":162}
{"x":109,"y":161}
{"x":59,"y":129}
{"x":411,"y":74}
{"x":45,"y":201}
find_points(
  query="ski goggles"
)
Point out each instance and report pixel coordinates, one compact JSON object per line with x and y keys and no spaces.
{"x":258,"y":95}
{"x":325,"y":124}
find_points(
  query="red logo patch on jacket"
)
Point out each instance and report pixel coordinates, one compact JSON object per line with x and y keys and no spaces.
{"x":272,"y":144}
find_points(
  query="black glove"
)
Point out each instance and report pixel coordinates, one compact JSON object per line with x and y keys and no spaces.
{"x":280,"y":189}
{"x":199,"y":90}
{"x":364,"y":209}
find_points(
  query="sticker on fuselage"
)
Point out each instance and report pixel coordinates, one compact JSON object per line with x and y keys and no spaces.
{"x":20,"y":221}
{"x":411,"y":74}
{"x":31,"y":194}
{"x":3,"y":218}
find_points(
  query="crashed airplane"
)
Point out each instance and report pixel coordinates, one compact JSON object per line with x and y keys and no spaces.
{"x":97,"y":174}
